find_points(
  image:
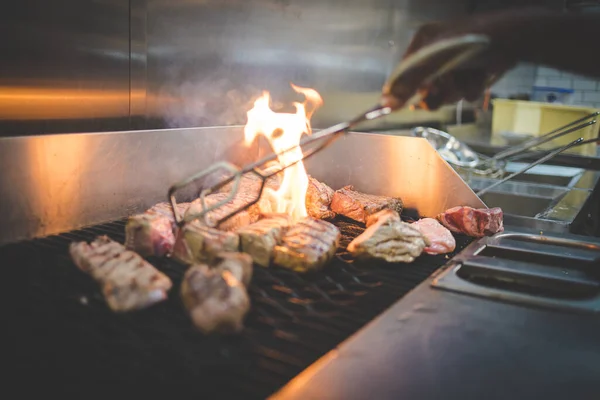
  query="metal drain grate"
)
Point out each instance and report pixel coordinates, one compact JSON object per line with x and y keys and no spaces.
{"x":67,"y":341}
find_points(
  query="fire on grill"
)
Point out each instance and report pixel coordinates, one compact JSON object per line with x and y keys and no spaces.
{"x":289,"y":227}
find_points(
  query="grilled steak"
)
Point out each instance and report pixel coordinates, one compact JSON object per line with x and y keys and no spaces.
{"x":216,"y":300}
{"x":359,"y":206}
{"x":387,"y":215}
{"x":239,"y":264}
{"x":246,"y":217}
{"x":152,"y":233}
{"x":308,"y":245}
{"x":473,"y":222}
{"x":128,"y":281}
{"x":390,"y":240}
{"x":196,"y":243}
{"x":441,"y":239}
{"x":250,"y":183}
{"x":260,"y":238}
{"x":318,"y":199}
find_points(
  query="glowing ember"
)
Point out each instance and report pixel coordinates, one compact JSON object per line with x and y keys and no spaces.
{"x":283,"y":131}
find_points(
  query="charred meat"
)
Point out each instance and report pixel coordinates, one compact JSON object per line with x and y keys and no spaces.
{"x":473,"y":222}
{"x":359,"y":206}
{"x":308,"y":245}
{"x":197,"y":243}
{"x":152,"y":233}
{"x":128,"y":281}
{"x":318,"y":199}
{"x":260,"y":238}
{"x":440,"y":239}
{"x":243,"y":218}
{"x":238,"y":264}
{"x":389,"y":239}
{"x":216,"y":300}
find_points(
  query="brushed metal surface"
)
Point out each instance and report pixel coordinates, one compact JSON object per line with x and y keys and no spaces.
{"x":208,"y":60}
{"x":65,"y":66}
{"x":55,"y":183}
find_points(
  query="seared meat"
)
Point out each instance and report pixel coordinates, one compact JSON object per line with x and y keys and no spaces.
{"x":387,"y":215}
{"x":359,"y":206}
{"x":128,"y":281}
{"x":390,"y":240}
{"x":260,"y":238}
{"x":152,"y":233}
{"x":318,"y":199}
{"x":199,"y":243}
{"x":239,"y":264}
{"x":250,"y":183}
{"x":441,"y":239}
{"x":473,"y":222}
{"x":216,"y":300}
{"x":308,"y":245}
{"x":246,"y":217}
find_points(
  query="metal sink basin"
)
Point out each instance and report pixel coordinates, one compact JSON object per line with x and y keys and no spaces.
{"x":547,"y":197}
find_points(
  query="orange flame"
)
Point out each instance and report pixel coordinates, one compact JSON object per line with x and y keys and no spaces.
{"x":283,"y":131}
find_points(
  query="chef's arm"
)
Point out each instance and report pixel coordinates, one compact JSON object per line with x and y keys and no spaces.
{"x":564,"y":41}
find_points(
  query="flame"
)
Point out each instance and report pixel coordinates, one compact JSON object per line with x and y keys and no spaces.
{"x":284,"y":131}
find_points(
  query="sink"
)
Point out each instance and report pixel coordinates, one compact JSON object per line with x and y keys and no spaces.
{"x":527,"y":206}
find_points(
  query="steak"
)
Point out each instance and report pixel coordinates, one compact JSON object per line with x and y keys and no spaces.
{"x":359,"y":206}
{"x":128,"y":281}
{"x":260,"y":238}
{"x":215,"y":300}
{"x":473,"y":222}
{"x":387,"y":215}
{"x":197,"y":243}
{"x":307,"y":245}
{"x":238,"y":264}
{"x":441,"y":239}
{"x":390,"y":240}
{"x":318,"y":199}
{"x":246,"y":217}
{"x":152,"y":233}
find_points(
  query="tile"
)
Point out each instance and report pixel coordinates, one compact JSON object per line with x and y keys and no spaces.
{"x":548,"y":72}
{"x":563,"y":83}
{"x":584,"y":84}
{"x":591,"y":96}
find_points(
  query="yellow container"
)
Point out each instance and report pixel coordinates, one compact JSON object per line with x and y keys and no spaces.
{"x":512,"y":117}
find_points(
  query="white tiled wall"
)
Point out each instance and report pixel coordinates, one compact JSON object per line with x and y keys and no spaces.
{"x":586,"y":90}
{"x":519,"y":80}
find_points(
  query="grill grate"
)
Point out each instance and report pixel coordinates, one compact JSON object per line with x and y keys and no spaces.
{"x":65,"y":337}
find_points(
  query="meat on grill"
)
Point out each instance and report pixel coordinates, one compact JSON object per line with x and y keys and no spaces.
{"x":441,"y":239}
{"x":473,"y":222}
{"x":359,"y":206}
{"x":196,"y":243}
{"x":216,"y":300}
{"x":389,"y":239}
{"x":243,"y":218}
{"x":387,"y":215}
{"x":260,"y":238}
{"x":128,"y":281}
{"x":318,"y":199}
{"x":307,"y":245}
{"x":250,"y":182}
{"x":239,"y":264}
{"x":152,"y":233}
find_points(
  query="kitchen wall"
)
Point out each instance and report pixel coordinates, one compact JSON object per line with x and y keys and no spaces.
{"x":586,"y":90}
{"x":519,"y":80}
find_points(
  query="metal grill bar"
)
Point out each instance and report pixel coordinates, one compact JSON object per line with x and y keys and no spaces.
{"x":69,"y":340}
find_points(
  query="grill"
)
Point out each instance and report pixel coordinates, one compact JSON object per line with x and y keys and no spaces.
{"x":70,"y":341}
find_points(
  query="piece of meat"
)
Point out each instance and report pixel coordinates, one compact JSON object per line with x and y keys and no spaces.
{"x":250,"y":182}
{"x":243,"y":218}
{"x":318,"y":199}
{"x":390,"y":240}
{"x":215,"y":300}
{"x":359,"y":206}
{"x":441,"y":239}
{"x":260,"y":238}
{"x":239,"y":264}
{"x":473,"y":222}
{"x":307,"y":245}
{"x":152,"y":233}
{"x":197,"y":243}
{"x":387,"y":215}
{"x":128,"y":281}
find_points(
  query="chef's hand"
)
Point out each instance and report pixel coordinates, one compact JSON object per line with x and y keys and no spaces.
{"x":471,"y":79}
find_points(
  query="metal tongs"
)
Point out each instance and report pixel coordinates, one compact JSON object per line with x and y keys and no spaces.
{"x":455,"y":51}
